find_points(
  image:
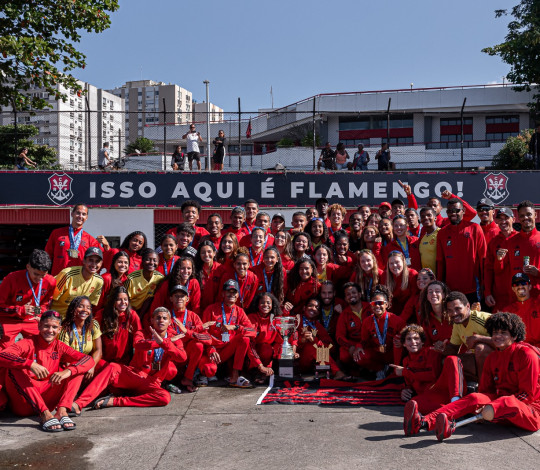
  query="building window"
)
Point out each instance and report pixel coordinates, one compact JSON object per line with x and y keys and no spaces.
{"x":500,"y":136}
{"x":356,"y":142}
{"x":502,"y":119}
{"x":456,"y":121}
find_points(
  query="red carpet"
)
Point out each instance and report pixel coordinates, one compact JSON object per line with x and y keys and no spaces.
{"x":385,"y":392}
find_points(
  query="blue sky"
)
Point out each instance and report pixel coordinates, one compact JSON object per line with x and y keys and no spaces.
{"x":298,"y":47}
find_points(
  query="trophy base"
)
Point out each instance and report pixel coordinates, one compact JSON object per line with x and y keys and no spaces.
{"x":322,"y":371}
{"x":286,"y":368}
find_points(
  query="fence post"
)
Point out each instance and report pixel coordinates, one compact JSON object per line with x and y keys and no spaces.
{"x":164,"y":136}
{"x":88,"y":159}
{"x":239,"y":136}
{"x":207,"y":83}
{"x":16,"y":137}
{"x":314,"y":136}
{"x":388,"y":122}
{"x":119,"y":144}
{"x":461,"y":119}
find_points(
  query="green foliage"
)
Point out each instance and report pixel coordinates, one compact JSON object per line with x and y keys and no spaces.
{"x":521,"y":48}
{"x":307,"y":140}
{"x":140,"y":145}
{"x":44,"y":156}
{"x":286,"y":142}
{"x":512,"y":155}
{"x":37,"y":46}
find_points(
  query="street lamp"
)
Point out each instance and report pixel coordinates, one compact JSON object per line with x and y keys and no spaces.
{"x":206,"y":82}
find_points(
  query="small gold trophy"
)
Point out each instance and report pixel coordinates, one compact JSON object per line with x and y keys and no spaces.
{"x":323,"y":360}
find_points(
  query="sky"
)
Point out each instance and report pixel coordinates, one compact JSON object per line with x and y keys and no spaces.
{"x":299,"y":48}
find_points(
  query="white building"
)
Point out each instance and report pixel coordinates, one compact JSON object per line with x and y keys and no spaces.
{"x":200,"y":112}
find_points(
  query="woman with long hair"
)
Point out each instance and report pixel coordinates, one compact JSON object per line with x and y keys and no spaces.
{"x":302,"y":284}
{"x":206,"y":265}
{"x":432,"y":316}
{"x":411,"y":310}
{"x":385,"y":231}
{"x":168,"y":257}
{"x":318,"y":231}
{"x":326,"y":269}
{"x":134,"y":245}
{"x":367,"y":273}
{"x":228,"y":247}
{"x":371,"y":240}
{"x":404,"y":243}
{"x":400,"y":280}
{"x":283,"y":243}
{"x":301,"y":243}
{"x":115,"y":277}
{"x":270,"y":274}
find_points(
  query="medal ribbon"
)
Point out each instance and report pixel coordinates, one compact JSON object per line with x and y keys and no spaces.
{"x":158,"y":353}
{"x":74,"y":240}
{"x":267,"y":284}
{"x":165,"y":269}
{"x":242,"y":288}
{"x":224,"y":316}
{"x":405,"y":248}
{"x":326,"y":319}
{"x":382,"y":339}
{"x":80,"y":341}
{"x":308,"y":323}
{"x":38,"y":298}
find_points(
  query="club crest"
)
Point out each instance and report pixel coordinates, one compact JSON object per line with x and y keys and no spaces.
{"x":496,"y":187}
{"x":60,"y":191}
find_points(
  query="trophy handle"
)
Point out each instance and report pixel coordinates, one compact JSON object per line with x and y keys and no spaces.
{"x":298,"y":321}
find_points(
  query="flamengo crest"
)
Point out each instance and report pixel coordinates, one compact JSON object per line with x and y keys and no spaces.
{"x":496,"y":187}
{"x":60,"y":188}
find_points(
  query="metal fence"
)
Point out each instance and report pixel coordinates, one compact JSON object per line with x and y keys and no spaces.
{"x":289,"y":138}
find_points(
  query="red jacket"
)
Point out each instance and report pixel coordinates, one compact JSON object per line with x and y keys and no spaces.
{"x":401,"y":296}
{"x":299,"y":296}
{"x":107,"y":286}
{"x":524,"y":244}
{"x":529,"y":313}
{"x":58,"y":245}
{"x":22,"y":354}
{"x":469,"y":214}
{"x":240,"y":233}
{"x":414,"y":252}
{"x":119,"y":348}
{"x":135,"y":259}
{"x":422,"y":369}
{"x":321,"y":337}
{"x":162,"y":297}
{"x":497,"y":276}
{"x":370,"y":339}
{"x":349,"y":326}
{"x":461,"y":250}
{"x":15,"y":293}
{"x":233,"y":316}
{"x":247,"y":285}
{"x":194,"y":326}
{"x":436,"y":330}
{"x":261,"y":285}
{"x":265,"y":333}
{"x":490,"y":230}
{"x":165,"y":267}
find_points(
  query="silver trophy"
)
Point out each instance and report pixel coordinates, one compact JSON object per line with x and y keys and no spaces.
{"x":286,"y":326}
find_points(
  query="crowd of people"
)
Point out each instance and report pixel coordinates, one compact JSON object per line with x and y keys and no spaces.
{"x":446,"y":303}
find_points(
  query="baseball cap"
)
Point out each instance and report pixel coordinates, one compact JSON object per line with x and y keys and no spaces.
{"x":504,"y":211}
{"x":231,"y":284}
{"x":485,"y":202}
{"x":93,"y":250}
{"x":520,"y":277}
{"x":278,"y":214}
{"x":385,"y":204}
{"x":179,"y":287}
{"x":397,"y":202}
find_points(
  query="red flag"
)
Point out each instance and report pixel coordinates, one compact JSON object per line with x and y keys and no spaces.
{"x":248,"y":130}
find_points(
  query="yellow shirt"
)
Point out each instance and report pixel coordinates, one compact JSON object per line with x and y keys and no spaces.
{"x":70,"y":338}
{"x":139,"y":289}
{"x":428,"y":250}
{"x":476,"y":324}
{"x":70,"y":283}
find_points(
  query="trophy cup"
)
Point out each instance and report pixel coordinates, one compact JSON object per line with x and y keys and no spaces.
{"x":323,"y":361}
{"x":286,"y":326}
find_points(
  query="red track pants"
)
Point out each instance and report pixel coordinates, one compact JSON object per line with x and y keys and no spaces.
{"x":11,"y":330}
{"x":265,"y":352}
{"x":237,"y":347}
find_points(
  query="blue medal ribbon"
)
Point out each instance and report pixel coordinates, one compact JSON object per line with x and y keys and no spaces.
{"x":405,"y":248}
{"x":267,"y":284}
{"x":224,"y":316}
{"x":326,"y":319}
{"x":165,"y":269}
{"x":38,"y":298}
{"x":368,"y":293}
{"x":382,"y":339}
{"x":80,"y":341}
{"x":306,"y":322}
{"x":158,"y":353}
{"x":240,"y":293}
{"x":252,"y":259}
{"x":247,"y":226}
{"x":74,"y":240}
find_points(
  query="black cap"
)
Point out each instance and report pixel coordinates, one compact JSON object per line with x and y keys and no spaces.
{"x":520,"y":277}
{"x":93,"y":250}
{"x":504,"y":211}
{"x":398,"y":201}
{"x":231,"y":284}
{"x":179,"y":287}
{"x":278,"y":214}
{"x":485,"y":202}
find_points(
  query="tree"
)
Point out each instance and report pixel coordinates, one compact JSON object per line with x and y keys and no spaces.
{"x":512,"y":155}
{"x":43,"y":155}
{"x":141,"y":145}
{"x":37,"y":46}
{"x":521,"y":48}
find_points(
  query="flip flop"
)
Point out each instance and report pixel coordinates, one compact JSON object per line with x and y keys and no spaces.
{"x":242,"y":382}
{"x":73,"y":414}
{"x":67,"y":420}
{"x":47,"y":425}
{"x":104,"y":402}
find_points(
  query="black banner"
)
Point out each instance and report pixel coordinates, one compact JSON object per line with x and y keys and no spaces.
{"x":280,"y":189}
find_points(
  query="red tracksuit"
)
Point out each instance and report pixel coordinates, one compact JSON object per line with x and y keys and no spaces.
{"x":139,"y":378}
{"x":468,"y":214}
{"x":58,"y":245}
{"x":246,"y":241}
{"x":374,"y":359}
{"x":30,"y":396}
{"x":410,"y":311}
{"x":209,"y":284}
{"x":304,"y":291}
{"x":330,"y":318}
{"x":367,"y":282}
{"x":199,"y":233}
{"x":436,"y":330}
{"x":135,"y":259}
{"x":165,"y":266}
{"x":524,"y":244}
{"x":248,"y":287}
{"x":349,"y":331}
{"x":490,"y":230}
{"x":307,"y":350}
{"x":461,"y":250}
{"x":510,"y":383}
{"x":497,"y":275}
{"x":401,"y":296}
{"x":240,"y":233}
{"x":162,"y":297}
{"x":107,"y":287}
{"x":412,"y":247}
{"x":267,"y":343}
{"x":261,"y":284}
{"x":238,"y":343}
{"x":528,"y":312}
{"x":195,"y":339}
{"x":435,"y":383}
{"x":15,"y":293}
{"x":119,"y":348}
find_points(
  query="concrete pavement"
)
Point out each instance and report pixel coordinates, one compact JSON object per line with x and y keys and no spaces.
{"x":218,"y":427}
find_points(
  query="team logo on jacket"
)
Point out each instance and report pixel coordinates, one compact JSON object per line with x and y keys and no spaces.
{"x":60,"y":191}
{"x":496,"y":187}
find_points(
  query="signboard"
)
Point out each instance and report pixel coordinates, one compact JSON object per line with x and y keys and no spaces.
{"x":280,"y":189}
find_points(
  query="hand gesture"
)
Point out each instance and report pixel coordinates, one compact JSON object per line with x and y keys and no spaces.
{"x":501,"y":253}
{"x":338,"y":309}
{"x":101,"y":239}
{"x":446,"y":194}
{"x":157,"y":338}
{"x":406,"y":188}
{"x":57,"y":377}
{"x":215,"y":358}
{"x":308,"y":336}
{"x":29,"y":309}
{"x":530,"y":270}
{"x":490,"y":300}
{"x":440,"y":345}
{"x":180,"y":325}
{"x":39,"y":371}
{"x":397,"y":369}
{"x":177,"y":337}
{"x":208,"y":324}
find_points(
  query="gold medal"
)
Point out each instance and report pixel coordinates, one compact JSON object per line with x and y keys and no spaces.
{"x":314,"y":332}
{"x":156,"y":365}
{"x":73,"y":253}
{"x":37,"y":311}
{"x":382,"y":348}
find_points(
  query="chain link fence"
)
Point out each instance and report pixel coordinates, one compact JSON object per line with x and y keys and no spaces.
{"x":288,"y":138}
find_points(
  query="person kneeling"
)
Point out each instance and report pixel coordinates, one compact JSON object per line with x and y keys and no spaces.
{"x":34,"y":381}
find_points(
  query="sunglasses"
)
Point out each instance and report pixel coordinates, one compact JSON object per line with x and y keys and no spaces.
{"x":484,"y":209}
{"x":50,"y":313}
{"x":520,"y":283}
{"x":378,"y":303}
{"x":453,"y":211}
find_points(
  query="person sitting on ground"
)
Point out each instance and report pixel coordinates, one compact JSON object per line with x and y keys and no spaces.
{"x":35,"y":382}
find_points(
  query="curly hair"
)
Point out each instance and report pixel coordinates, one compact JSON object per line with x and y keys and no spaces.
{"x":277,"y":276}
{"x":425,"y":305}
{"x":504,"y":321}
{"x":67,"y":323}
{"x":412,"y":328}
{"x":309,"y":226}
{"x":125,"y":243}
{"x":275,"y":312}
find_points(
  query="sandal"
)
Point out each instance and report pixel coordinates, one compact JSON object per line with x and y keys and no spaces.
{"x":47,"y":426}
{"x":72,"y":413}
{"x":96,"y":405}
{"x":242,"y":382}
{"x":67,"y":420}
